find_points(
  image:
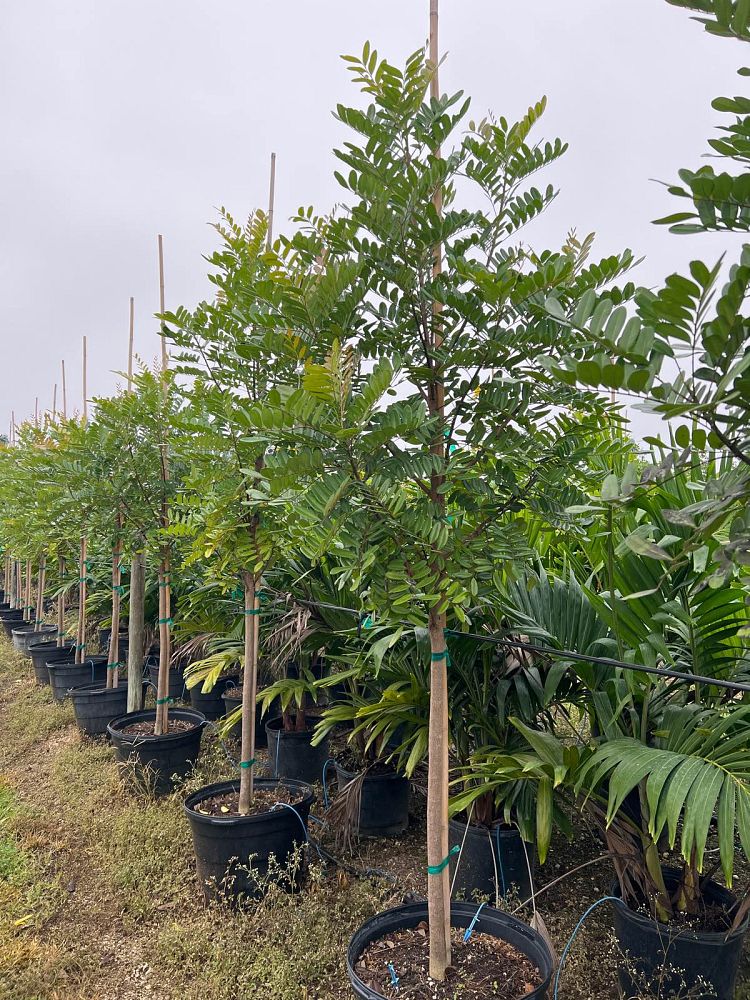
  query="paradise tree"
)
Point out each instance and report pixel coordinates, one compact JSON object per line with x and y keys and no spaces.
{"x":430,"y":422}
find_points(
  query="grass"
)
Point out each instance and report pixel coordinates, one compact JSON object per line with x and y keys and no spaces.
{"x":99,"y":899}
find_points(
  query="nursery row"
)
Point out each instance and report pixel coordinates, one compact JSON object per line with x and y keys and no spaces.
{"x":378,"y":519}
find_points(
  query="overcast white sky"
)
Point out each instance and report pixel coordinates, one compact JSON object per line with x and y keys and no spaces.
{"x":126,"y":118}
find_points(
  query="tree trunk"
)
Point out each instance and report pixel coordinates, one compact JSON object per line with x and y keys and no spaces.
{"x":249,"y":692}
{"x":439,"y":894}
{"x":136,"y":632}
{"x":165,"y":653}
{"x":113,"y":667}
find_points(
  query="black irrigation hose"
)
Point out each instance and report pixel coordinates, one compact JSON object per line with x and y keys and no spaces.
{"x":564,"y":654}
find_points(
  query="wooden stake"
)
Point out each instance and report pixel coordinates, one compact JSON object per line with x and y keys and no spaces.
{"x":162,"y":307}
{"x":113,"y":667}
{"x":36,"y":411}
{"x":271,"y":198}
{"x":438,"y":895}
{"x":28,"y":606}
{"x":249,"y":691}
{"x":81,"y":637}
{"x":54,"y":403}
{"x":64,"y":393}
{"x":130,"y":344}
{"x":85,"y":393}
{"x":41,"y":581}
{"x":60,"y":601}
{"x":136,"y":632}
{"x":12,"y":426}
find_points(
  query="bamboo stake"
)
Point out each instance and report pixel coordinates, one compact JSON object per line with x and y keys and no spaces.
{"x":64,"y":392}
{"x":438,"y":766}
{"x":136,"y":632}
{"x":28,"y":606}
{"x":130,"y":344}
{"x":85,"y":393}
{"x":54,"y":403}
{"x":61,"y":601}
{"x":41,"y":581}
{"x":36,"y":411}
{"x":113,"y":667}
{"x":271,"y":198}
{"x":161,"y":725}
{"x":249,"y":692}
{"x":82,"y":575}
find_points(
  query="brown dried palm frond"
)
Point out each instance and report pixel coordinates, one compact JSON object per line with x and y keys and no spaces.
{"x":343,"y":813}
{"x":287,"y":638}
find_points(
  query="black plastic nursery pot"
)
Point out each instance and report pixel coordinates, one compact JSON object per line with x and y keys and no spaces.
{"x":64,"y":674}
{"x":157,"y":763}
{"x":383,"y":804}
{"x":492,"y":860}
{"x":237,"y":856}
{"x":683,"y":961}
{"x":95,"y":706}
{"x":28,"y":635}
{"x":42,"y":653}
{"x":177,"y":689}
{"x":211,"y":703}
{"x":494,"y":922}
{"x":290,"y":755}
{"x":13,"y":618}
{"x":232,"y":699}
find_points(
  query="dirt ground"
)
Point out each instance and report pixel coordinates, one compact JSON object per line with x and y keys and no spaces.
{"x":99,"y":898}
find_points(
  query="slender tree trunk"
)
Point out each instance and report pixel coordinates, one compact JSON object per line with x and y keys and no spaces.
{"x":439,"y":893}
{"x":249,"y":692}
{"x":82,"y":587}
{"x":113,"y":667}
{"x":165,"y":607}
{"x":61,"y":601}
{"x":136,"y":632}
{"x":41,"y":582}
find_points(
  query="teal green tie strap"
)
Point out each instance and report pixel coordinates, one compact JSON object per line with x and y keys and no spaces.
{"x":437,"y":869}
{"x":252,"y":611}
{"x":166,"y":621}
{"x":164,"y":701}
{"x":442,"y":655}
{"x":247,"y":763}
{"x":165,"y":583}
{"x":82,"y":579}
{"x":118,"y":587}
{"x":81,"y":646}
{"x":367,"y":621}
{"x":113,"y":666}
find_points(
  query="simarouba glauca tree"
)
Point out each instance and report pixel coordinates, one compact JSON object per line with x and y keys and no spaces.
{"x":430,"y":424}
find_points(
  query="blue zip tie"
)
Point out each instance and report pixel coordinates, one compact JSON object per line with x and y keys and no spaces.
{"x":474,"y":919}
{"x":394,"y":978}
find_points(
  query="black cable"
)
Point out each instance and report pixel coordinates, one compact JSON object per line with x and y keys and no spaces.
{"x":564,"y":654}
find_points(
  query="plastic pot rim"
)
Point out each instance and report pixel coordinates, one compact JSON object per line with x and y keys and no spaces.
{"x":306,"y":800}
{"x":463,"y":910}
{"x":115,"y":727}
{"x":276,"y":726}
{"x":683,"y":933}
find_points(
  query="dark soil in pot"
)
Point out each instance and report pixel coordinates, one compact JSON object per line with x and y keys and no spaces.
{"x":43,"y":653}
{"x":290,"y":755}
{"x":503,"y":958}
{"x":492,"y":860}
{"x":232,"y":699}
{"x":684,"y":960}
{"x":238,"y":856}
{"x":64,"y":675}
{"x":211,"y":703}
{"x":384,"y":800}
{"x":177,"y":689}
{"x":95,"y":706}
{"x":157,"y":763}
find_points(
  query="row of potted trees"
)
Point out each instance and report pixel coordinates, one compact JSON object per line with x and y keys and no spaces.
{"x":382,"y":455}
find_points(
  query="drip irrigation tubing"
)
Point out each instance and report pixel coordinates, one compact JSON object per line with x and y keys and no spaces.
{"x":562,"y":654}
